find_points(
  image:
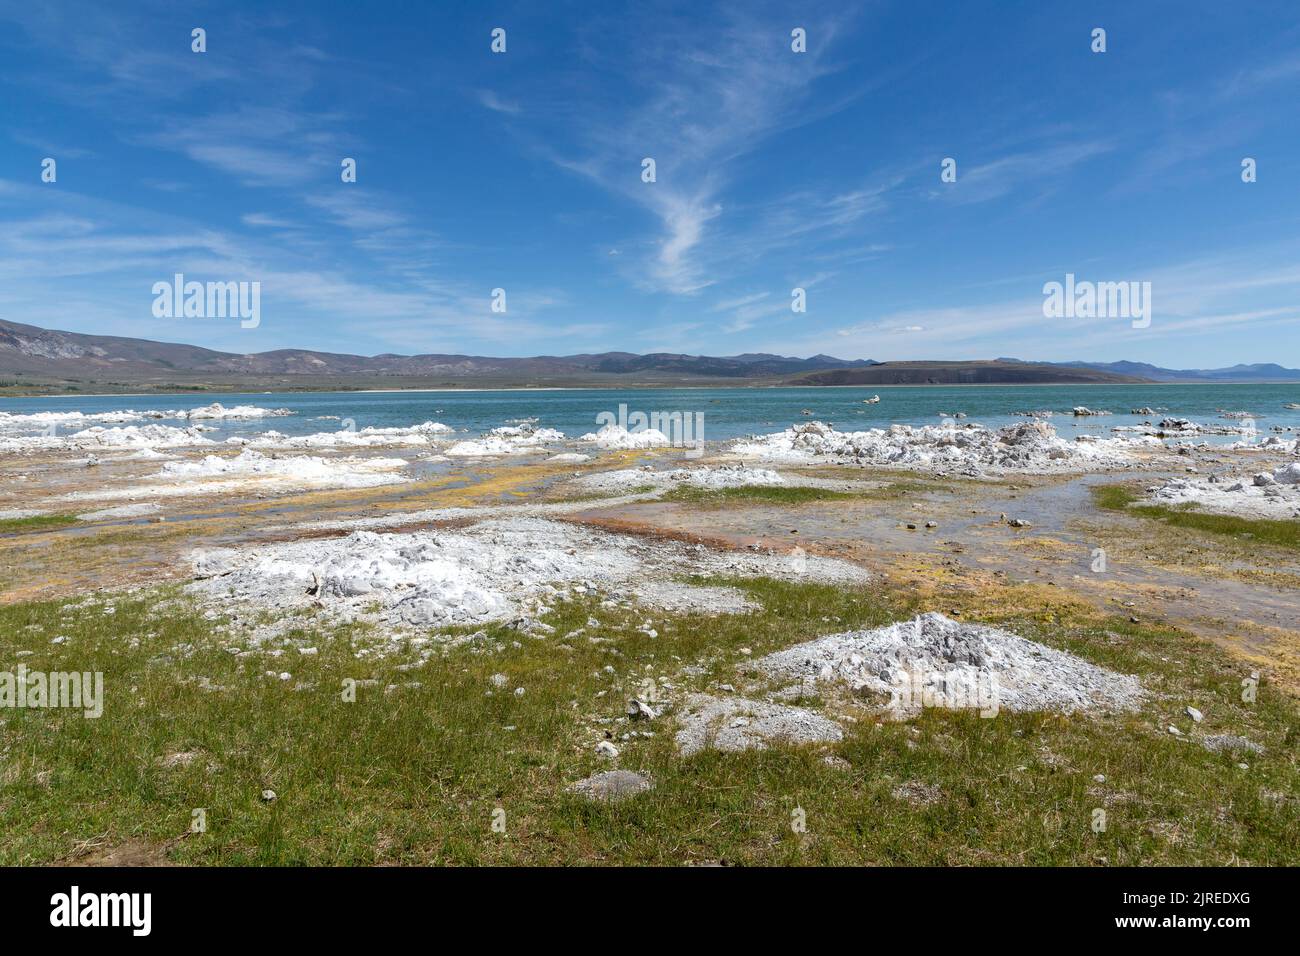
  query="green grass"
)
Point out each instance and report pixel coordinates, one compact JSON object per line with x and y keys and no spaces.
{"x":36,"y":523}
{"x":761,"y":494}
{"x":1282,"y":533}
{"x":415,"y":775}
{"x":788,"y":495}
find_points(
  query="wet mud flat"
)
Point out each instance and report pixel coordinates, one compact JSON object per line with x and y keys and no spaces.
{"x":911,"y":527}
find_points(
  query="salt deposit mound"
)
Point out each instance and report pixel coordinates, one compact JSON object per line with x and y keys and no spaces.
{"x":252,"y":471}
{"x":426,"y":433}
{"x":218,"y":411}
{"x":99,"y":437}
{"x":39,"y":421}
{"x":495,"y":570}
{"x":340,"y":472}
{"x":948,"y":659}
{"x":1274,"y":494}
{"x":1028,"y":447}
{"x":616,"y":437}
{"x":506,"y":440}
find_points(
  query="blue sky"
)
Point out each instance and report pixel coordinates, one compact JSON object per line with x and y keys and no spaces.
{"x":775,"y":170}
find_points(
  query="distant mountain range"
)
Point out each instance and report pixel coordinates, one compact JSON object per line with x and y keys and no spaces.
{"x":1259,"y":372}
{"x":34,"y":359}
{"x":995,"y":372}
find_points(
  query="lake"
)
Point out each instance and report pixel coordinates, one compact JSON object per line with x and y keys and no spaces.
{"x":727,"y":412}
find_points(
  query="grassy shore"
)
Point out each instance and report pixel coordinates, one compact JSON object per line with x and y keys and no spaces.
{"x":416,"y":769}
{"x":1279,"y":532}
{"x":36,"y":523}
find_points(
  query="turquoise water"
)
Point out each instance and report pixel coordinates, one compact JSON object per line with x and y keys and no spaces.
{"x":728,"y":412}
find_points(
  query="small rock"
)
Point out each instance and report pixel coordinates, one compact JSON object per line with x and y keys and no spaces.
{"x":268,"y":796}
{"x":607,"y":750}
{"x":1231,"y":743}
{"x":1175,"y":731}
{"x":612,"y":785}
{"x":1100,"y":778}
{"x":640,"y":710}
{"x":1195,"y":714}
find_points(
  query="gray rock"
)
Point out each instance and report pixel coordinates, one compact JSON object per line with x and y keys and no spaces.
{"x":612,"y":785}
{"x":1218,"y":743}
{"x":1195,"y":714}
{"x":735,"y":723}
{"x":639,"y":710}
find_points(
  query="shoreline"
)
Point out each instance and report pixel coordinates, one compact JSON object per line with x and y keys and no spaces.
{"x":632,"y":387}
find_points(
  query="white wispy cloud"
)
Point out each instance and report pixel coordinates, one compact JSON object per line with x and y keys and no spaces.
{"x":264,"y":221}
{"x":706,"y":99}
{"x":1040,"y":168}
{"x":490,"y":100}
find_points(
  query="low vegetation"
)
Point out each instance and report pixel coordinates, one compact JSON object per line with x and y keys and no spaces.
{"x":794,"y":495}
{"x":36,"y":523}
{"x":1279,"y":532}
{"x":427,"y":757}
